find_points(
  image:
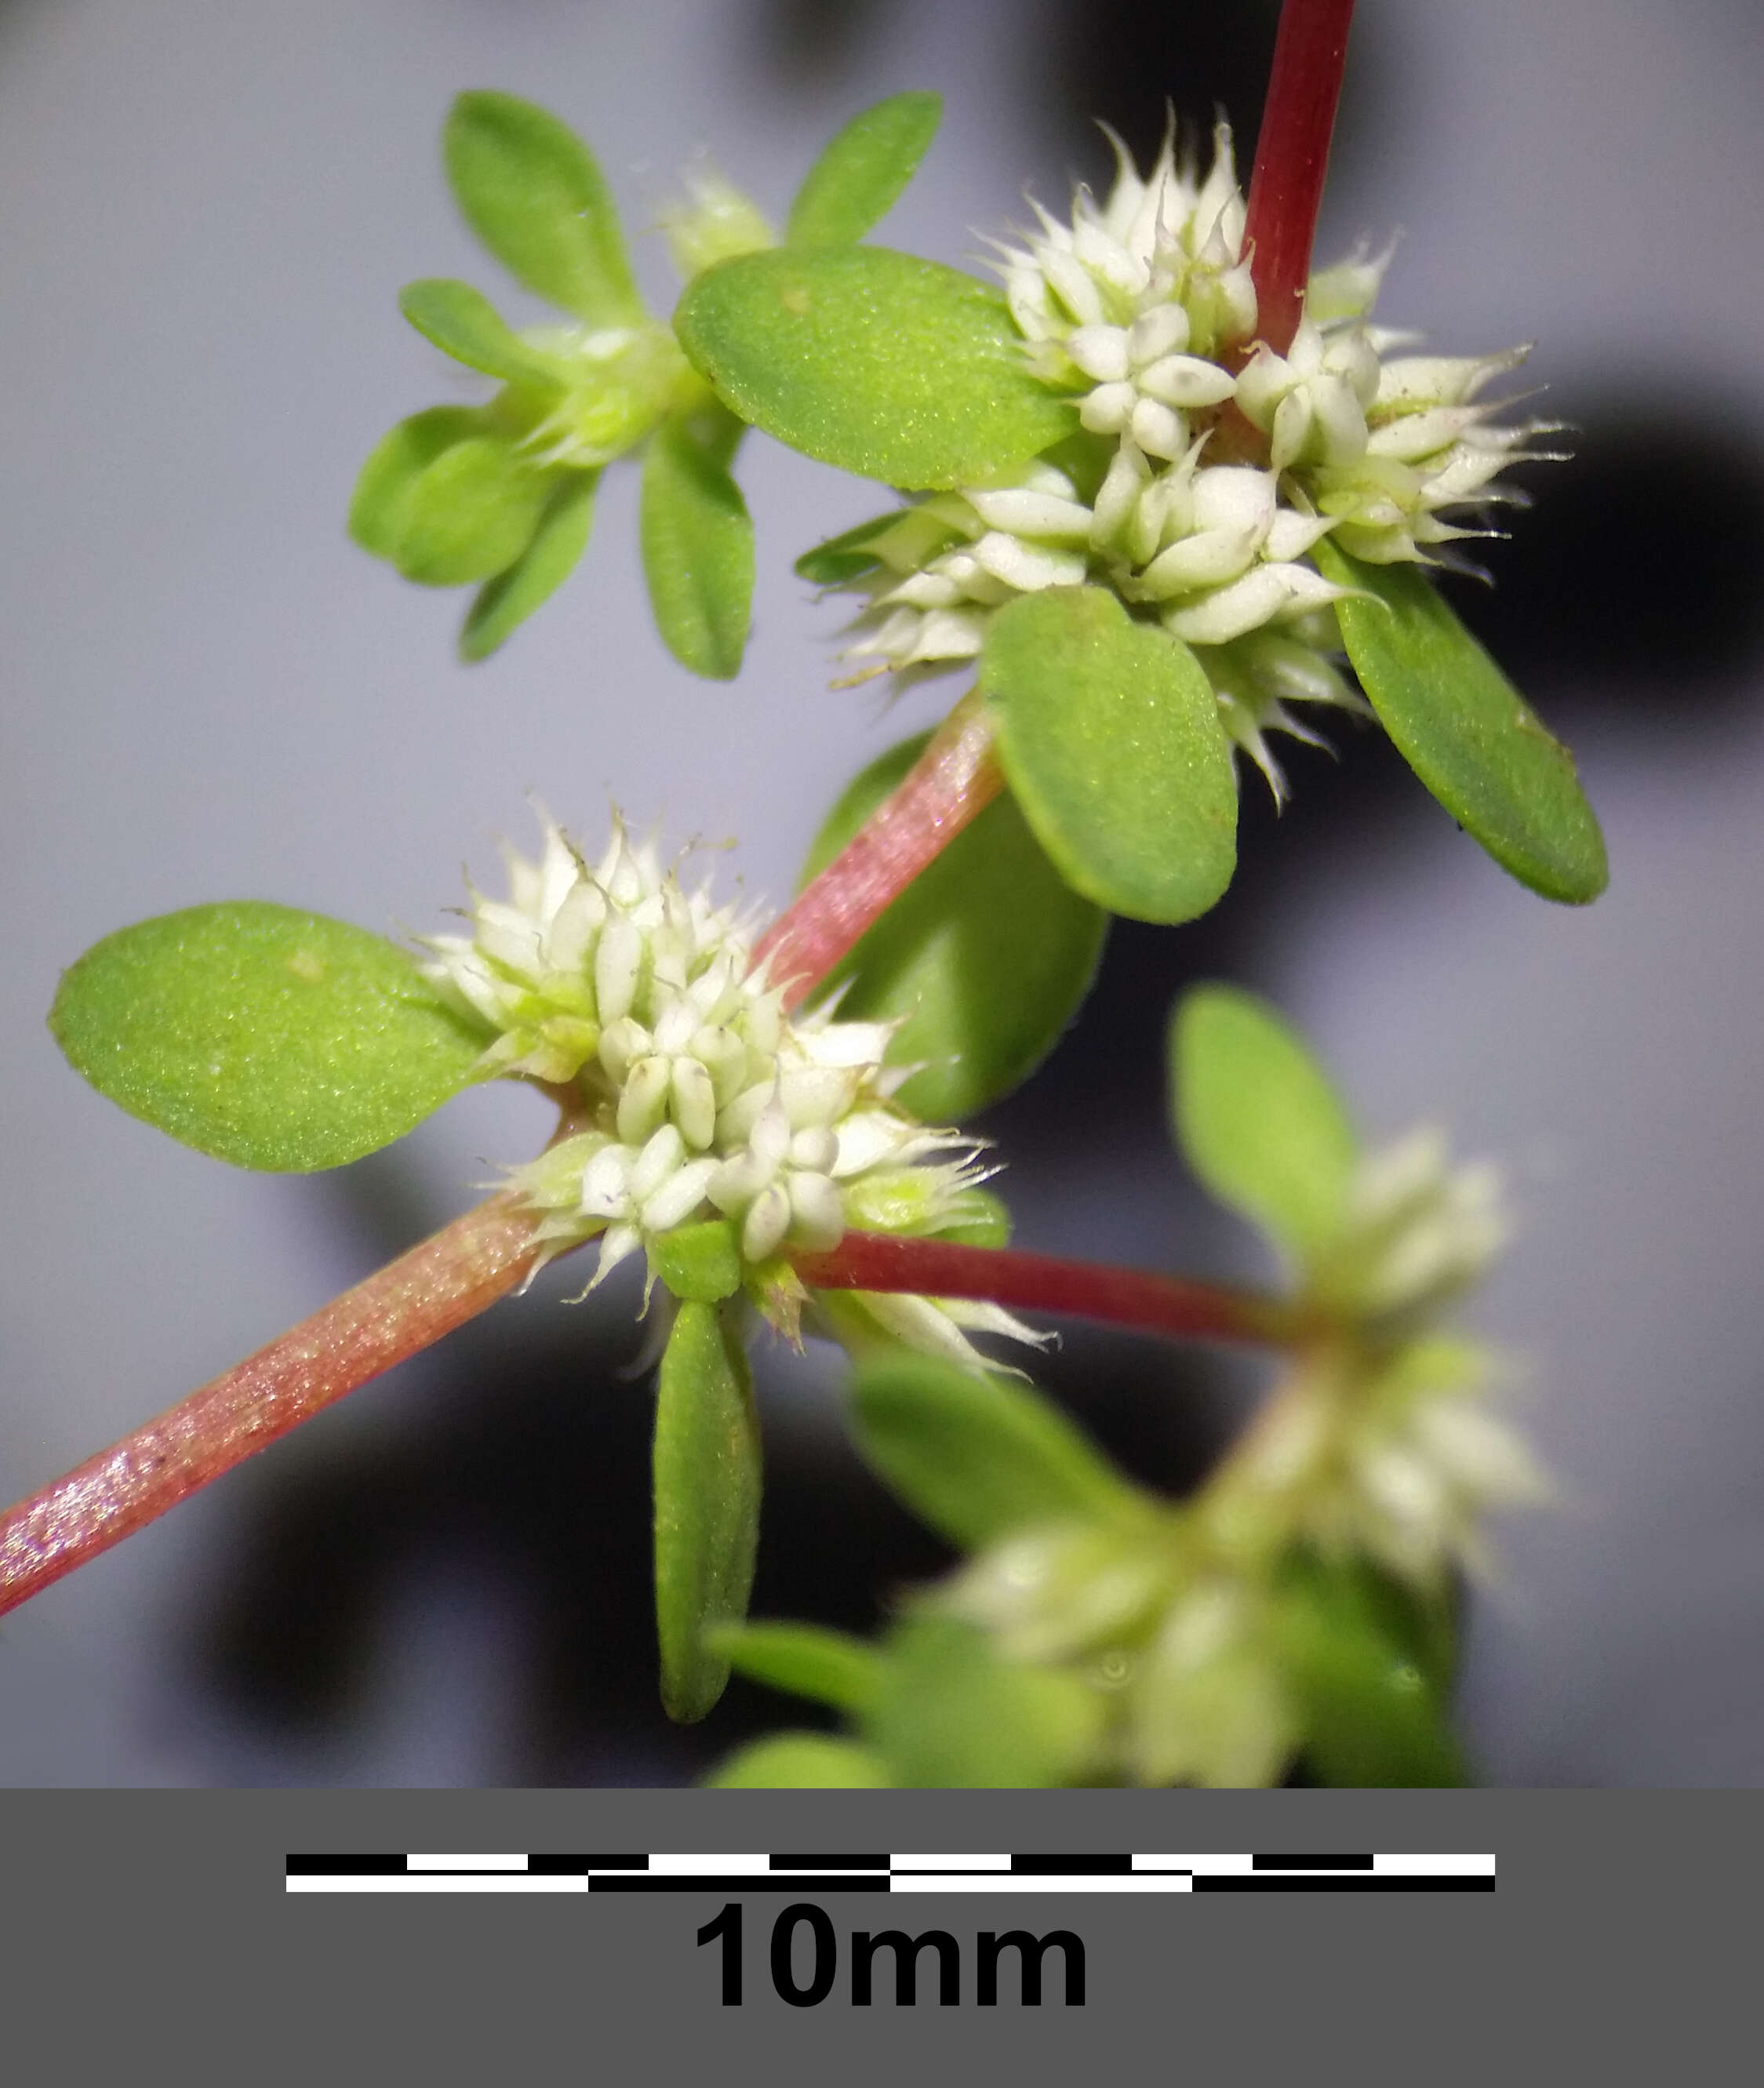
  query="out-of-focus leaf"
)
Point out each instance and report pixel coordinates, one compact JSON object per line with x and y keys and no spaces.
{"x":830,"y":1666}
{"x":471,"y":513}
{"x":530,"y":190}
{"x":1258,"y":1119}
{"x":1109,"y":733}
{"x":268,"y":1037}
{"x":978,"y":1457}
{"x":698,"y":542}
{"x":1369,"y":1663}
{"x":502,"y":605}
{"x":844,"y":558}
{"x":863,"y":169}
{"x":950,"y":1715}
{"x":984,"y":959}
{"x":462,"y":323}
{"x":801,"y":1762}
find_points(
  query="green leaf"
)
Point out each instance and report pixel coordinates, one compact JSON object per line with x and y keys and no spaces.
{"x":1466,"y":731}
{"x":984,"y":958}
{"x":707,"y":1504}
{"x":801,"y":1762}
{"x":882,"y":364}
{"x":951,"y":1715}
{"x":863,"y":169}
{"x":379,"y":509}
{"x":702,"y":1261}
{"x":830,"y":1666}
{"x":530,"y":190}
{"x":462,"y":323}
{"x":698,"y":542}
{"x":470,"y":514}
{"x":1109,"y":733}
{"x":505,"y":602}
{"x":269,"y":1037}
{"x":844,"y":558}
{"x":977,"y":1458}
{"x":1364,"y":1657}
{"x":1257,"y":1118}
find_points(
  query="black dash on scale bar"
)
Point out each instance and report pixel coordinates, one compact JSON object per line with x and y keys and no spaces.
{"x":1310,"y":1862}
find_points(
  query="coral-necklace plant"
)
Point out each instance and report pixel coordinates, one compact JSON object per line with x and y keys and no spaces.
{"x":1167,"y":482}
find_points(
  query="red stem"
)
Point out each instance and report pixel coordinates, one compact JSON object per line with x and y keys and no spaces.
{"x":413,"y":1301}
{"x":1292,"y":156}
{"x":956,"y":778}
{"x":1047,"y":1283}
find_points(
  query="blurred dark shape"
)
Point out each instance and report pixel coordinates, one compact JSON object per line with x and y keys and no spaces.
{"x":818,"y":43}
{"x":1637,"y":578}
{"x":531,"y":1462}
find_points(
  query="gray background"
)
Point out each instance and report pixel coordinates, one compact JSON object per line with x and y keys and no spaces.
{"x":205,"y":211}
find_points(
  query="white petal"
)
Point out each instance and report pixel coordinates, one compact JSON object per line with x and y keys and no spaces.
{"x":658,"y":1160}
{"x":644,"y":1100}
{"x":1188,"y":381}
{"x":1158,"y":429}
{"x":1163,"y":330}
{"x":1100,"y":352}
{"x":766,"y":1221}
{"x":692,"y":1102}
{"x":674,"y":1202}
{"x":618,"y":962}
{"x":817,"y":1212}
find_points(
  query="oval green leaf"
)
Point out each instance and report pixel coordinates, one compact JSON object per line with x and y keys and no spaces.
{"x":984,"y":959}
{"x":863,"y":169}
{"x":952,"y":1715}
{"x":801,"y":1762}
{"x":977,"y":1458}
{"x":269,"y":1037}
{"x":1109,"y":733}
{"x":471,"y":514}
{"x":1258,"y":1120}
{"x":1466,"y":731}
{"x":707,"y":1504}
{"x":697,"y":542}
{"x":502,"y":605}
{"x":462,"y":323}
{"x":1361,"y":1654}
{"x":882,"y":364}
{"x":830,"y":1666}
{"x":379,"y":509}
{"x":530,"y":190}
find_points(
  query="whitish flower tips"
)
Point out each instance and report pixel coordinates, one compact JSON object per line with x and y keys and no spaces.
{"x":1141,"y":310}
{"x":704,"y":1099}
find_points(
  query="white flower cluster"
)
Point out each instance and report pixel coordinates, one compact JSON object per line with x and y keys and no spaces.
{"x":1391,"y":1448}
{"x":1143,"y":309}
{"x":704,"y":1099}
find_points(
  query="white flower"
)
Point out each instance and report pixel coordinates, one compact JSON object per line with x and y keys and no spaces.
{"x":703,"y":1098}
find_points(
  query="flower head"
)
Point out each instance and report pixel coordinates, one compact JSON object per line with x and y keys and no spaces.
{"x":1210,"y":465}
{"x":704,"y":1100}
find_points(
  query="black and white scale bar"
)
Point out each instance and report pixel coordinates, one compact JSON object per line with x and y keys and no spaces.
{"x":802,"y":1875}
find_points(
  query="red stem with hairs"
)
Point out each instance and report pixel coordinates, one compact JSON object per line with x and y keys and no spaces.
{"x":1047,"y":1283}
{"x":413,"y":1301}
{"x":953,"y":780}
